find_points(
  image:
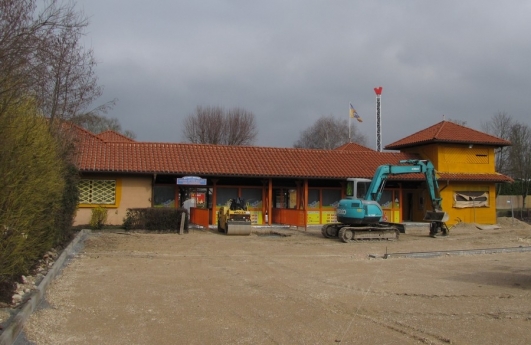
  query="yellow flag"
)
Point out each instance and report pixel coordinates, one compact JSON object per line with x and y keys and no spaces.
{"x":354,"y":113}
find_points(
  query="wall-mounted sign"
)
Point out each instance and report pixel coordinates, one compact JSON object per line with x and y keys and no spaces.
{"x":192,"y":181}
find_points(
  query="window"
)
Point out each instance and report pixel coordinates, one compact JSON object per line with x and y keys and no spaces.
{"x":164,"y":196}
{"x":224,"y":194}
{"x":313,"y":198}
{"x":252,"y":197}
{"x":97,"y":192}
{"x":386,"y":200}
{"x":471,"y":199}
{"x":331,"y":197}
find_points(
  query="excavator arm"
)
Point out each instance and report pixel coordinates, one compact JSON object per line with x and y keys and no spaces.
{"x":428,"y":170}
{"x":375,"y":190}
{"x":437,"y":216}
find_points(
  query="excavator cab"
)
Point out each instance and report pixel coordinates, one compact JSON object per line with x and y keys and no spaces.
{"x":357,"y":187}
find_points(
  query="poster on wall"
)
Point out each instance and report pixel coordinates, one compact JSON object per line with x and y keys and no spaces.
{"x":256,"y":217}
{"x":329,"y":216}
{"x":314,"y":217}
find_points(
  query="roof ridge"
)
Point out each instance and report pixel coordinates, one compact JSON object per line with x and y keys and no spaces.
{"x":442,"y":123}
{"x":449,"y":132}
{"x":86,"y":131}
{"x":113,"y":132}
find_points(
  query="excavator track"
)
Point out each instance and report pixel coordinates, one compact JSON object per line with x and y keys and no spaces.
{"x":349,"y":234}
{"x":330,"y":230}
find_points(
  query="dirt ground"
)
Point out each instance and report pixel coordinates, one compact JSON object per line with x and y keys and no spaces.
{"x":208,"y":288}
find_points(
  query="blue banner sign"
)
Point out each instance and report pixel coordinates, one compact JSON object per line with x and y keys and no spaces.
{"x":192,"y":181}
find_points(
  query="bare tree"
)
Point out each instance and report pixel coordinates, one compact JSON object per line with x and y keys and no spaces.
{"x":520,"y":157}
{"x":214,"y":125}
{"x":99,"y":123}
{"x":328,"y":133}
{"x":240,"y":127}
{"x":458,"y":122}
{"x":500,"y":126}
{"x":41,"y":56}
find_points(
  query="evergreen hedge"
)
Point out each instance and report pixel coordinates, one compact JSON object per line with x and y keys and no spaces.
{"x":37,"y":198}
{"x":156,"y":219}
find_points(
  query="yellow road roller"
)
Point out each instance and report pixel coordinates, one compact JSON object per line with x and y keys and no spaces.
{"x":234,"y":218}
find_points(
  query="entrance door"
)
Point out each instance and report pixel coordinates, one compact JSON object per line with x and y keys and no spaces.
{"x":407,"y":211}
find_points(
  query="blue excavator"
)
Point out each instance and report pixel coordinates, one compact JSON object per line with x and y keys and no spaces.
{"x":360,"y":216}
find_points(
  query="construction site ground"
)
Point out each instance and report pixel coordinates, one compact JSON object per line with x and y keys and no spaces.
{"x":290,"y":286}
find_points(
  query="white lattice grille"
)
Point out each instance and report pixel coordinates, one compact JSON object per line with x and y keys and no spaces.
{"x":97,"y":192}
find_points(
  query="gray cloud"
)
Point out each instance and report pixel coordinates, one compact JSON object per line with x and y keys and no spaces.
{"x":290,"y":62}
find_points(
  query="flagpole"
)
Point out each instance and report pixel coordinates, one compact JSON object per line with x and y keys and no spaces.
{"x":349,"y":118}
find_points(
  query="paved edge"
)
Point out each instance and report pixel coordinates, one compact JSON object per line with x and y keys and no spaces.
{"x":15,"y":326}
{"x":458,"y":252}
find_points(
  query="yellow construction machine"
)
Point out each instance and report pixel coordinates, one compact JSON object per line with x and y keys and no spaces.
{"x":234,"y":218}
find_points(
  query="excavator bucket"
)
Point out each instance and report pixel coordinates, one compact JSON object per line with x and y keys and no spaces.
{"x":236,"y":227}
{"x":436,"y":216}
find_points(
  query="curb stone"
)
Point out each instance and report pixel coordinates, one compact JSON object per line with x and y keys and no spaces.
{"x":520,"y":249}
{"x":16,"y":324}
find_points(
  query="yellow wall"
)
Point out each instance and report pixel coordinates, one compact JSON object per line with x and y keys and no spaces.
{"x":456,"y":158}
{"x":463,"y":159}
{"x":480,"y":215}
{"x":135,"y":193}
{"x":425,"y":152}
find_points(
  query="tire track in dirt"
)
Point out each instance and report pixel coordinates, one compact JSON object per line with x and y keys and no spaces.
{"x":392,"y":324}
{"x":301,"y":295}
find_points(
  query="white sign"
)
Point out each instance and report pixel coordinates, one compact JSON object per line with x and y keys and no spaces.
{"x":192,"y":181}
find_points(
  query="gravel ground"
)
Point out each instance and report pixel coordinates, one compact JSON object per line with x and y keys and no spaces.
{"x":208,"y":288}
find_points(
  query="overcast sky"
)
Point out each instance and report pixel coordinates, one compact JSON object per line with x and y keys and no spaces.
{"x":293,"y":61}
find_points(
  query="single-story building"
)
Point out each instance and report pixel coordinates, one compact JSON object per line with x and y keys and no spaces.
{"x":285,"y":185}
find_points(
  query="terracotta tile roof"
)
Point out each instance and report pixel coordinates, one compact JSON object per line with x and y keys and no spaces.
{"x":249,"y":161}
{"x":112,"y":136}
{"x":447,"y":132}
{"x":97,"y":155}
{"x":353,"y":147}
{"x":495,"y":178}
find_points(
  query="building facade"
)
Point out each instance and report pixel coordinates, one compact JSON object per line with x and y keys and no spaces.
{"x":297,"y":187}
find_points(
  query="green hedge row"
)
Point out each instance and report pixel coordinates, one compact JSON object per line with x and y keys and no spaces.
{"x":38,"y":192}
{"x":156,"y":219}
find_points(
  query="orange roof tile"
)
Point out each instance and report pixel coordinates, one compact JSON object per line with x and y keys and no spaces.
{"x":112,"y":136}
{"x":447,"y":132}
{"x":96,"y":155}
{"x":353,"y":147}
{"x":496,"y":178}
{"x":250,"y":161}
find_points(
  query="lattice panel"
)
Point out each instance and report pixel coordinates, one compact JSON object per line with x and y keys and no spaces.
{"x":97,"y":192}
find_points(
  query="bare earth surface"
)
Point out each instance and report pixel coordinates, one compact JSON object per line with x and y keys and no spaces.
{"x":208,"y":288}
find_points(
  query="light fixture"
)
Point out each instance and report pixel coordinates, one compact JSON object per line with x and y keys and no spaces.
{"x":470,"y":146}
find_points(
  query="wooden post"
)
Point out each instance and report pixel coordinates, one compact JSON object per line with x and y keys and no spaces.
{"x":183,"y":218}
{"x":214,"y":197}
{"x":270,"y":197}
{"x":305,"y":204}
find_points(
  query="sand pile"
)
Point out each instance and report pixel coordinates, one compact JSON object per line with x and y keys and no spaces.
{"x":509,"y":222}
